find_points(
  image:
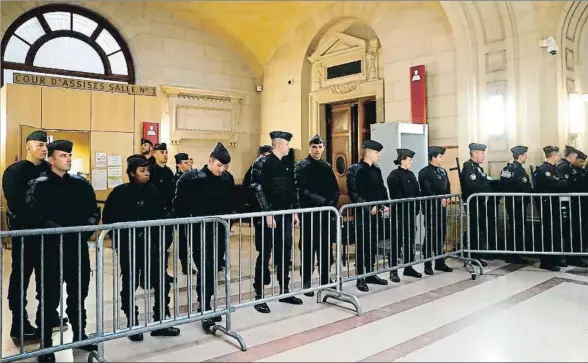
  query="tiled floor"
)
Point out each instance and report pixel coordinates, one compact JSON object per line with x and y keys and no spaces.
{"x":512,"y":313}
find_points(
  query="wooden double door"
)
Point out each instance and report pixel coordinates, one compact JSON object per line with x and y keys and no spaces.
{"x":348,"y":124}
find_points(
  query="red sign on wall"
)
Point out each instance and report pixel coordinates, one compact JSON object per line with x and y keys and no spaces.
{"x":418,"y":94}
{"x":151,"y":131}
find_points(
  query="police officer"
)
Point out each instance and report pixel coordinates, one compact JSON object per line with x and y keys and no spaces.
{"x":207,"y":192}
{"x":15,"y":184}
{"x":514,"y":179}
{"x":482,"y":213}
{"x":365,"y":184}
{"x":573,"y":177}
{"x":182,"y":167}
{"x":317,"y":187}
{"x":273,"y":183}
{"x":582,"y":181}
{"x":433,"y":180}
{"x":147,"y":150}
{"x":547,"y":181}
{"x":251,"y":204}
{"x":403,"y":184}
{"x":162,"y":177}
{"x":63,"y":200}
{"x":138,"y":200}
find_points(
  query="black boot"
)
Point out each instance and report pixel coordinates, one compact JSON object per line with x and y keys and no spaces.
{"x":376,"y":280}
{"x":216,"y":319}
{"x":308,"y":285}
{"x":262,"y":308}
{"x":136,"y":337}
{"x":429,"y":269}
{"x":362,"y":286}
{"x":29,"y":331}
{"x":443,"y":267}
{"x":50,"y":357}
{"x":166,"y":332}
{"x":290,"y":300}
{"x":394,"y":277}
{"x":409,"y":271}
{"x":87,"y":347}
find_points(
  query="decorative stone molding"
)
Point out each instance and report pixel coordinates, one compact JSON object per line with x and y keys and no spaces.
{"x":203,"y":114}
{"x":340,"y":49}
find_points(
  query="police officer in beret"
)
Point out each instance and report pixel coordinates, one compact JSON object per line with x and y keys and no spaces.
{"x":182,"y":167}
{"x":547,"y":181}
{"x":208,"y":191}
{"x":403,"y":184}
{"x":162,"y":177}
{"x":365,"y":184}
{"x":433,"y":181}
{"x":272,"y":181}
{"x":139,"y":248}
{"x":514,"y":179}
{"x":317,"y":187}
{"x":63,"y":200}
{"x":15,"y":183}
{"x":482,"y":212}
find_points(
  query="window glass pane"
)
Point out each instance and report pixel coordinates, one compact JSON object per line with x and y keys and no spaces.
{"x":107,"y":42}
{"x":83,"y":25}
{"x":118,"y":64}
{"x":69,"y":54}
{"x":16,"y":50}
{"x":30,"y":30}
{"x":58,"y":20}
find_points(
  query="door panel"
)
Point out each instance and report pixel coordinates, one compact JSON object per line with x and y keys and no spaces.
{"x":340,"y":132}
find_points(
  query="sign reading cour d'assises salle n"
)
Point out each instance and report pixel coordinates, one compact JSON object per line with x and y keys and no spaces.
{"x":82,"y":84}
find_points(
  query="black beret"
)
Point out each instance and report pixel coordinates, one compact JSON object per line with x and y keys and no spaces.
{"x":436,"y":150}
{"x":145,"y":141}
{"x":405,"y":153}
{"x":136,"y":161}
{"x":180,"y":157}
{"x":262,"y":149}
{"x":160,"y":147}
{"x":60,"y":145}
{"x":477,"y":147}
{"x":280,"y":135}
{"x":519,"y":150}
{"x":550,"y":149}
{"x":316,"y":140}
{"x":581,"y":155}
{"x":570,"y":150}
{"x":221,"y":154}
{"x":37,"y":136}
{"x":372,"y":145}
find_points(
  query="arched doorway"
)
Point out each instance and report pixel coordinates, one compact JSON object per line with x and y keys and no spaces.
{"x":346,"y":92}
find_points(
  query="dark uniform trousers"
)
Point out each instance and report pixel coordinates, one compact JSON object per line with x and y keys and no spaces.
{"x":369,"y":230}
{"x":552,"y":221}
{"x":577,"y":241}
{"x":318,"y":234}
{"x":140,"y":262}
{"x":278,"y":240}
{"x":402,"y":220}
{"x":519,"y":229}
{"x":207,"y":242}
{"x":25,"y":259}
{"x":482,"y":223}
{"x":76,"y":276}
{"x":435,"y":216}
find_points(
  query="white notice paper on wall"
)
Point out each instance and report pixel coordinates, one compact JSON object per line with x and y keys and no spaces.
{"x":100,"y":160}
{"x":99,"y":179}
{"x":114,"y":160}
{"x":114,"y":176}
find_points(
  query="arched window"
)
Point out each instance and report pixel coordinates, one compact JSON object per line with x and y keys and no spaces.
{"x":66,"y":40}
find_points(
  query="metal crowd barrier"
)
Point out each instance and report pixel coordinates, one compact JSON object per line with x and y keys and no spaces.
{"x":284,"y":256}
{"x":58,"y":256}
{"x":390,"y":235}
{"x":537,"y":224}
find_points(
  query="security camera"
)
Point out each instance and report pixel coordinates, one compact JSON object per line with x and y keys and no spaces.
{"x":550,"y":44}
{"x":290,"y":81}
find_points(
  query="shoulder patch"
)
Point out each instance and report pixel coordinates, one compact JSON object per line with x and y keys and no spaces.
{"x":525,"y":179}
{"x":547,"y":174}
{"x":506,"y":174}
{"x":473,"y":176}
{"x":41,"y":179}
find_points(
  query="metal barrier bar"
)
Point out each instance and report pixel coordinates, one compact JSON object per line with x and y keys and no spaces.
{"x":273,"y":234}
{"x":385,"y":228}
{"x":77,"y":260}
{"x":546,"y":225}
